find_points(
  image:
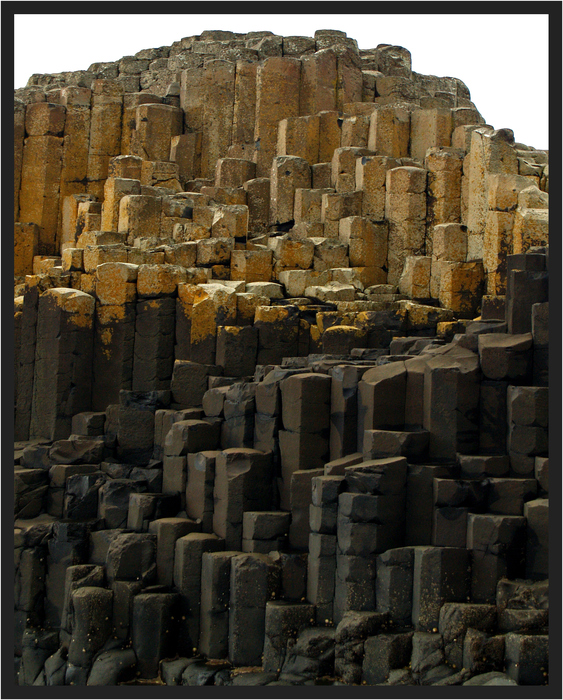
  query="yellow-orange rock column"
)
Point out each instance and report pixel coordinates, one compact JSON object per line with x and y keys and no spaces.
{"x":277,"y":97}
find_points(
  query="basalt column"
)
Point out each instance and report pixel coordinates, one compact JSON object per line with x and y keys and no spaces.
{"x":63,"y":360}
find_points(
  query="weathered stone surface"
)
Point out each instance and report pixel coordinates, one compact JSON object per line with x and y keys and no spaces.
{"x":254,"y":578}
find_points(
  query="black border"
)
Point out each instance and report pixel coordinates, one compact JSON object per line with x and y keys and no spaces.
{"x":554,"y":11}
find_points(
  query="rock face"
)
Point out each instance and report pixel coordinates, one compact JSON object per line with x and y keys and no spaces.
{"x":257,"y":421}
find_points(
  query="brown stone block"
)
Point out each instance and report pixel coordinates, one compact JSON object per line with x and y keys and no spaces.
{"x":306,"y":402}
{"x":112,"y":367}
{"x":214,"y":251}
{"x":505,"y":356}
{"x":89,"y":220}
{"x":192,"y":99}
{"x":370,"y":252}
{"x":528,"y":405}
{"x":370,"y":178}
{"x":442,"y":159}
{"x":155,"y":125}
{"x":224,"y":195}
{"x":72,"y":259}
{"x":26,"y":246}
{"x":340,"y":340}
{"x":292,"y":252}
{"x":219,"y":94}
{"x":451,"y":416}
{"x":288,"y":173}
{"x":242,"y":477}
{"x":74,"y":166}
{"x":405,"y":180}
{"x":115,"y":283}
{"x":39,"y":191}
{"x":314,"y":229}
{"x":343,"y":164}
{"x":278,"y":333}
{"x":405,"y":238}
{"x":355,"y":131}
{"x":154,"y":343}
{"x":98,"y":254}
{"x":449,"y":242}
{"x":258,"y":202}
{"x":244,"y":110}
{"x":128,"y":167}
{"x":317,"y":90}
{"x":242,"y":150}
{"x":225,"y":302}
{"x":531,"y":228}
{"x":361,"y":228}
{"x":296,"y":281}
{"x":389,"y":132}
{"x":369,"y":90}
{"x":299,"y":136}
{"x":157,"y":280}
{"x":247,"y":304}
{"x":506,"y":533}
{"x":160,"y":174}
{"x":139,"y":215}
{"x":329,"y":254}
{"x":301,"y":451}
{"x":320,"y":175}
{"x":435,"y":273}
{"x":80,"y":215}
{"x":532,"y":197}
{"x":537,"y":539}
{"x":183,"y":254}
{"x":230,"y":221}
{"x":330,"y":126}
{"x":42,"y":118}
{"x":131,"y":100}
{"x":88,"y":283}
{"x":462,"y":116}
{"x":236,"y":350}
{"x":277,"y":97}
{"x":381,"y":398}
{"x":251,"y":265}
{"x":405,"y":207}
{"x":189,"y":436}
{"x":43,"y":263}
{"x":307,"y":204}
{"x":189,"y":382}
{"x":105,"y":136}
{"x":369,"y":276}
{"x":461,"y":287}
{"x":185,"y":151}
{"x":339,"y":205}
{"x":349,"y":80}
{"x":444,"y":184}
{"x":415,"y":278}
{"x":63,"y":358}
{"x":461,"y":136}
{"x":114,"y":190}
{"x":429,"y":128}
{"x":190,"y":232}
{"x":490,"y":153}
{"x":441,"y":211}
{"x":497,"y":244}
{"x":234,"y":172}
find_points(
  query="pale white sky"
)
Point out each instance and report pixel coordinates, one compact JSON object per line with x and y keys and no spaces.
{"x":502,"y":58}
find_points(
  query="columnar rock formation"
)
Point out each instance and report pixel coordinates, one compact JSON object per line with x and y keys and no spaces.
{"x":281,"y":373}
